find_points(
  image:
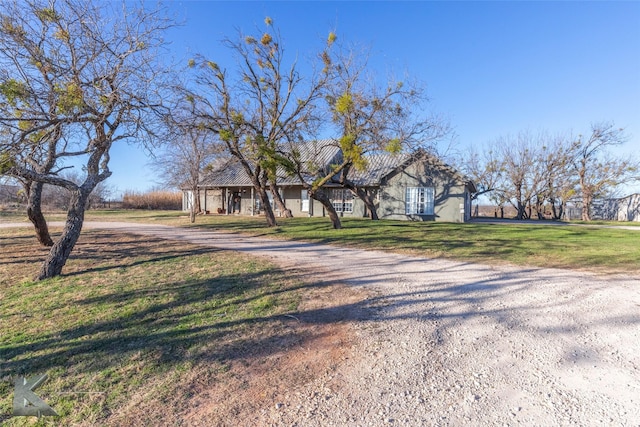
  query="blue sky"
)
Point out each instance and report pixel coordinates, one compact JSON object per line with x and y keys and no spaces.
{"x":492,"y":68}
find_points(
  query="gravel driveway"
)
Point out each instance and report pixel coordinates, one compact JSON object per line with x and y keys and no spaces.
{"x":451,"y":343}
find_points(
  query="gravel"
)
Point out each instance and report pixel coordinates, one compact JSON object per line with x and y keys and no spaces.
{"x":449,"y":343}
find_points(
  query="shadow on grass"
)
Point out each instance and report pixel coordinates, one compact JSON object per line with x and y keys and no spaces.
{"x":128,"y":252}
{"x":194,"y":320}
{"x":197,"y":320}
{"x":190,"y":320}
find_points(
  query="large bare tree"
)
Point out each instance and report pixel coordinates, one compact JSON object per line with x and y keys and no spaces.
{"x":256,"y":107}
{"x":597,"y":170}
{"x":370,"y":117}
{"x":366,"y":117}
{"x":90,"y":69}
{"x":558,"y":184}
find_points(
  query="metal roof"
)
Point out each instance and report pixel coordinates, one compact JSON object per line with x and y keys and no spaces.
{"x":316,"y":159}
{"x":378,"y":166}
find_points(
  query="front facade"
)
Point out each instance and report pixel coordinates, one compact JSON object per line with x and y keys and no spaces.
{"x":416,"y":188}
{"x":622,"y":209}
{"x":425,"y":190}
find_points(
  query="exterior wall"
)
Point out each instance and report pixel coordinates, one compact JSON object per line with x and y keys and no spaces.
{"x":624,"y":209}
{"x":359,"y":209}
{"x":451,"y":203}
{"x":629,"y":208}
{"x":292,"y":200}
{"x":187,"y":199}
{"x":215,"y":199}
{"x":246,"y":204}
{"x":211,"y":200}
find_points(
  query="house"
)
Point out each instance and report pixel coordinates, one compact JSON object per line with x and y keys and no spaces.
{"x":622,"y":209}
{"x":416,"y":187}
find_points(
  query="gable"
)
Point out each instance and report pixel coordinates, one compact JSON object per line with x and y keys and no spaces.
{"x":426,"y":169}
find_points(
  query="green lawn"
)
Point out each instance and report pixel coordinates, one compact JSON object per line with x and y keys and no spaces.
{"x":587,"y":248}
{"x":135,"y":320}
{"x":594,"y":247}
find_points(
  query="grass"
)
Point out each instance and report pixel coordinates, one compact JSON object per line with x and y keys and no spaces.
{"x":129,"y":215}
{"x":135,"y":328}
{"x":598,"y":249}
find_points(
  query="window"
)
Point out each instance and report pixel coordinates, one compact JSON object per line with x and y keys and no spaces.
{"x":304,"y":201}
{"x":342,"y":200}
{"x":419,"y":201}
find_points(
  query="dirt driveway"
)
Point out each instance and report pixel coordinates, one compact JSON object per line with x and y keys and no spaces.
{"x":451,"y":343}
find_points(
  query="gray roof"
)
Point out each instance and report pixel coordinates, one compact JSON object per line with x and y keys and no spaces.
{"x":316,"y":158}
{"x":379,"y":166}
{"x":229,"y":173}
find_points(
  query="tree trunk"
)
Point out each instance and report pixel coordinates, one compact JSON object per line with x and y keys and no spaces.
{"x":34,"y":212}
{"x":586,"y":207}
{"x":366,"y":198}
{"x":520,"y":208}
{"x":193,"y":208}
{"x":558,"y":210}
{"x":554,"y":210}
{"x":198,"y":205}
{"x":60,"y":251}
{"x":587,"y":194}
{"x":268,"y":210}
{"x":322,"y":197}
{"x":278,"y":199}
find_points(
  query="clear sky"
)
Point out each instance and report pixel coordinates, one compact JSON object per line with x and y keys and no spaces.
{"x":492,"y":68}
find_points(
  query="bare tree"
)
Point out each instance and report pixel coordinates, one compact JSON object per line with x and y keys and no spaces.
{"x":186,"y":154}
{"x":371,"y":118}
{"x":508,"y":172}
{"x":558,"y":183}
{"x":535,"y":172}
{"x":87,"y":67}
{"x":486,"y":169}
{"x":367,"y":117}
{"x":599,"y":172}
{"x":255,"y":109}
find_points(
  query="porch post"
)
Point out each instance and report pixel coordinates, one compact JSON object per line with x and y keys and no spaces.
{"x":222,"y":196}
{"x":253,"y":203}
{"x":205,"y":200}
{"x":229,"y":201}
